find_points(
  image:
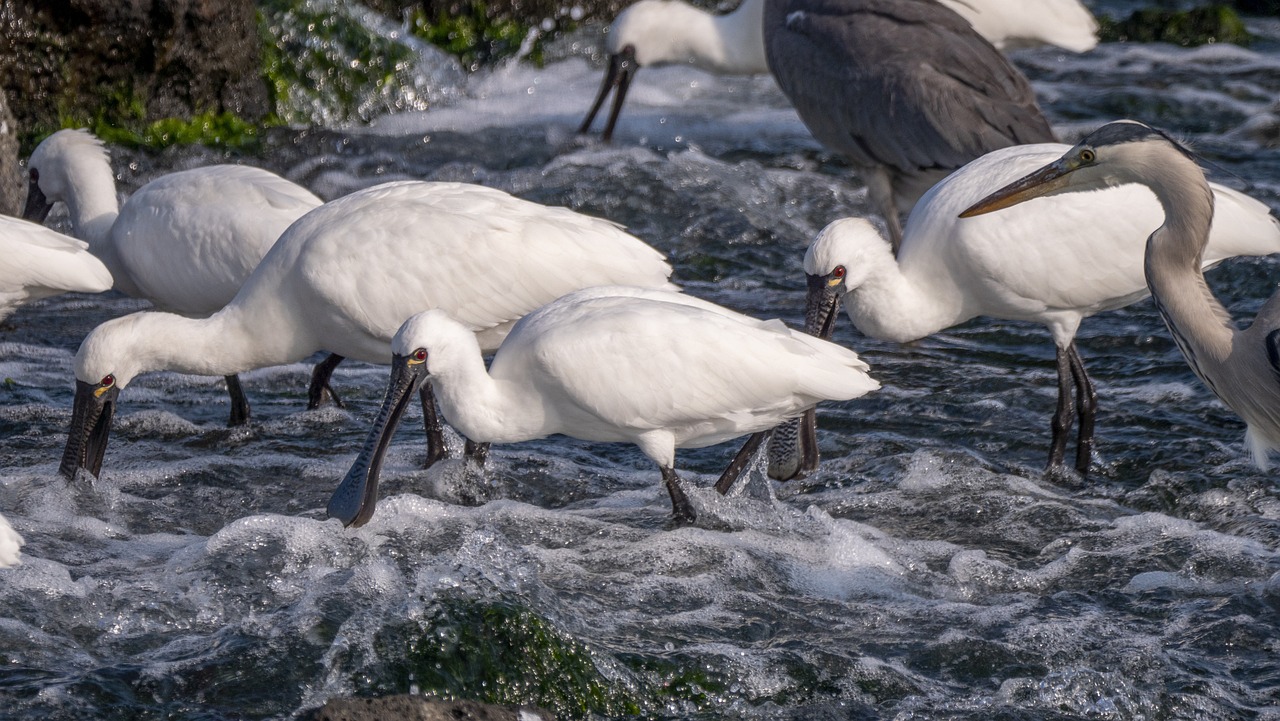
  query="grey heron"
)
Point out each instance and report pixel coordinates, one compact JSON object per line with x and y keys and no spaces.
{"x":652,"y":33}
{"x":656,"y":368}
{"x":905,"y":90}
{"x":1012,"y":266}
{"x":1241,"y":367}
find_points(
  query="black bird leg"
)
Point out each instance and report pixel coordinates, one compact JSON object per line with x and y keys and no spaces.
{"x":1064,"y":415}
{"x":740,"y":461}
{"x":681,"y":510}
{"x":239,"y":403}
{"x":320,"y":388}
{"x":1087,"y":403}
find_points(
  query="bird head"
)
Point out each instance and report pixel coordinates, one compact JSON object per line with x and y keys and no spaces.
{"x":837,"y":262}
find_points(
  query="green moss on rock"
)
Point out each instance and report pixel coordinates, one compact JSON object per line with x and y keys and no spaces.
{"x":1199,"y":26}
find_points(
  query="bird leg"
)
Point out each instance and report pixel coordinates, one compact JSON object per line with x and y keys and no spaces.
{"x":681,"y":509}
{"x":739,"y":462}
{"x":1063,"y":416}
{"x":320,"y":388}
{"x":1087,"y":402}
{"x":880,"y":192}
{"x":239,"y":403}
{"x":477,"y":452}
{"x":431,"y":421}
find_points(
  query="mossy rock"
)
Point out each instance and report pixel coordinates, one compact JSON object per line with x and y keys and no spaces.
{"x":1212,"y":24}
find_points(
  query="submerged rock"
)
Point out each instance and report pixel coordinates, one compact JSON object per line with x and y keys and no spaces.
{"x":418,"y":708}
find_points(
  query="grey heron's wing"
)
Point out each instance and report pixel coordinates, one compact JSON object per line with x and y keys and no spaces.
{"x":903,"y":83}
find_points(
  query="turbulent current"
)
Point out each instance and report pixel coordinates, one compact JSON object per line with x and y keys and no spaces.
{"x":928,"y":569}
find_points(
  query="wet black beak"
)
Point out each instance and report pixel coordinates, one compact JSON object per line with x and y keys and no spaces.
{"x":37,"y":207}
{"x":821,"y":306}
{"x":90,"y":427}
{"x":356,"y":497}
{"x":622,"y":68}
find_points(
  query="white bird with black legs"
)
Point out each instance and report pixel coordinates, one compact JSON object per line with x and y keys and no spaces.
{"x":655,"y":368}
{"x":10,"y":545}
{"x":905,"y":90}
{"x":185,"y":241}
{"x":652,"y":33}
{"x":346,"y":275}
{"x":1055,"y":260}
{"x":1241,"y":367}
{"x":36,"y":262}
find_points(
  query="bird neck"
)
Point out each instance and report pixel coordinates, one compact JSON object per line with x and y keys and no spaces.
{"x":228,"y":342}
{"x":1174,"y":258}
{"x":477,"y":405}
{"x":91,"y":199}
{"x":728,"y":44}
{"x":901,"y":306}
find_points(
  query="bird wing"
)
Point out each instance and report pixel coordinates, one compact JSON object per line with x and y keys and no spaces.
{"x":903,"y":83}
{"x":643,"y":364}
{"x":36,"y":262}
{"x":188,"y":240}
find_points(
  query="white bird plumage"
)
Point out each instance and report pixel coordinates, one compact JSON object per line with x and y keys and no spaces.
{"x":346,"y":275}
{"x":10,"y":545}
{"x":185,"y":241}
{"x":655,"y":368}
{"x":36,"y":262}
{"x":1014,"y":265}
{"x":1241,"y":367}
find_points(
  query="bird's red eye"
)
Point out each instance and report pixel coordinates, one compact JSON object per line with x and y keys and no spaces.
{"x":108,"y":381}
{"x":420,"y":354}
{"x":838,"y":272}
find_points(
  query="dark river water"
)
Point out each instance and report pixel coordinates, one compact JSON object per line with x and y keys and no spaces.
{"x":928,"y":570}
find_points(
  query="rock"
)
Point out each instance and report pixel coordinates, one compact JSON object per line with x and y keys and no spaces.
{"x":419,"y":708}
{"x":1211,"y":24}
{"x":129,"y":61}
{"x":12,"y":188}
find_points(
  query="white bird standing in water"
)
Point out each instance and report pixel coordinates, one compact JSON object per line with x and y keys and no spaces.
{"x":1241,"y":367}
{"x":10,"y":545}
{"x":36,"y":262}
{"x":346,"y":275}
{"x":185,"y":241}
{"x":1055,"y":260}
{"x":655,"y":368}
{"x":652,"y":33}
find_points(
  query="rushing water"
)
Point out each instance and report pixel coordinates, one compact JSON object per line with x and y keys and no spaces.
{"x":928,"y":570}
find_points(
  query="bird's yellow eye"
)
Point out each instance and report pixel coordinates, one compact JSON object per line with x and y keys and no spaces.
{"x":1087,"y":156}
{"x":108,"y":381}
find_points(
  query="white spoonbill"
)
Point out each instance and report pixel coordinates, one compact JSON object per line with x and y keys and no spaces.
{"x":1241,"y":367}
{"x":906,"y":90}
{"x":10,"y":545}
{"x":185,"y":241}
{"x":664,"y":32}
{"x":655,"y":368}
{"x":1055,"y":260}
{"x":36,"y":262}
{"x":346,"y":275}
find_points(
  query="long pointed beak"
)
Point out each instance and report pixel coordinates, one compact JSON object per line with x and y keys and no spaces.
{"x":356,"y":497}
{"x":622,"y":68}
{"x":91,"y":417}
{"x":1044,"y":181}
{"x":821,"y":307}
{"x":38,"y":206}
